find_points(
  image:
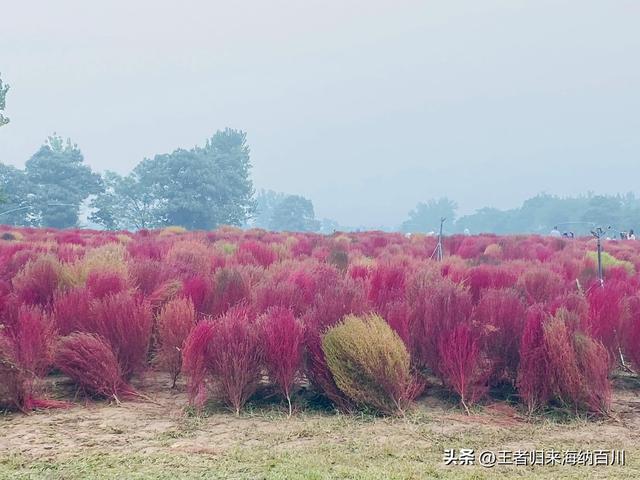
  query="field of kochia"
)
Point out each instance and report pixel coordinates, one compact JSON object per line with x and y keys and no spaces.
{"x":364,"y":321}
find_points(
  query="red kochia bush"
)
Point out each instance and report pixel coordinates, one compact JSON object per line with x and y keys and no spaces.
{"x":175,"y":322}
{"x":235,"y":356}
{"x":593,"y":362}
{"x":631,"y":331}
{"x":71,"y":310}
{"x":532,"y":382}
{"x":231,"y":288}
{"x":437,"y":307}
{"x":282,"y":342}
{"x":196,"y":361}
{"x":564,"y":374}
{"x":606,"y":315}
{"x":199,"y":289}
{"x":224,"y":353}
{"x":25,"y":357}
{"x":461,"y":365}
{"x":125,"y":322}
{"x":38,"y":281}
{"x":540,"y":285}
{"x":501,"y":314}
{"x":256,"y":253}
{"x":102,"y":283}
{"x":90,"y":362}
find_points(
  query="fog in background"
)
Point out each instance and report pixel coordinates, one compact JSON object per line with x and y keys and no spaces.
{"x":365,"y":107}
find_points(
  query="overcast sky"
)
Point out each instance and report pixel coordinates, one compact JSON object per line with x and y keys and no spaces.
{"x":366,"y":107}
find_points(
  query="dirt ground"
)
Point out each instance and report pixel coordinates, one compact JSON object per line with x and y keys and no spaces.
{"x":164,"y":439}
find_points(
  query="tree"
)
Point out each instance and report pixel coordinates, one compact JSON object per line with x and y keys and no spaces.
{"x":16,"y":206}
{"x":266,"y":203}
{"x":59,"y":181}
{"x":294,"y":214}
{"x":4,"y":88}
{"x":426,"y":216}
{"x":125,"y":204}
{"x":201,"y":188}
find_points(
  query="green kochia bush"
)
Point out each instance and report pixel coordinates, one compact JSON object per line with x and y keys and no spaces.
{"x":370,"y":364}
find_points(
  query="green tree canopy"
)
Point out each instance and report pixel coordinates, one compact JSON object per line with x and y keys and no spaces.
{"x":58,"y":182}
{"x":266,"y":203}
{"x":294,"y":214}
{"x":200,"y":188}
{"x":16,"y":207}
{"x":426,"y":216}
{"x":4,"y":88}
{"x":125,"y":204}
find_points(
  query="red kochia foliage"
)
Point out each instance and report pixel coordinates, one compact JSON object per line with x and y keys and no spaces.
{"x":564,"y":374}
{"x":37,"y":283}
{"x":199,"y":289}
{"x":533,"y":371}
{"x":631,"y":331}
{"x":90,"y":362}
{"x":103,"y":283}
{"x":175,"y":322}
{"x":437,"y":309}
{"x":540,"y":285}
{"x":253,"y":252}
{"x":196,"y":360}
{"x":25,"y":357}
{"x":71,"y":310}
{"x":593,"y":362}
{"x":231,"y":288}
{"x":461,"y":364}
{"x":501,"y":314}
{"x":386,"y":284}
{"x":282,"y":342}
{"x":225,"y":352}
{"x":606,"y":315}
{"x":235,"y":356}
{"x":125,"y":322}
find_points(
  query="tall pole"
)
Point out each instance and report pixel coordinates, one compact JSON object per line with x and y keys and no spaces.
{"x":439,"y":249}
{"x":598,"y":232}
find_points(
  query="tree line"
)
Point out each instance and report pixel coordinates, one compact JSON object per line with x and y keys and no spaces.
{"x":539,"y":214}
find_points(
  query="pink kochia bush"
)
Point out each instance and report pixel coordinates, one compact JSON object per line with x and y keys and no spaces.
{"x":90,"y":362}
{"x":438,"y":307}
{"x":125,"y":322}
{"x":533,"y":371}
{"x":71,"y":310}
{"x":224,"y":354}
{"x":282,"y":344}
{"x":501,"y":314}
{"x":25,"y":356}
{"x":175,"y":322}
{"x":461,"y":364}
{"x":560,"y":363}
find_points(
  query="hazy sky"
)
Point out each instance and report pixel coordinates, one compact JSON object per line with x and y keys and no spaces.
{"x":366,"y":107}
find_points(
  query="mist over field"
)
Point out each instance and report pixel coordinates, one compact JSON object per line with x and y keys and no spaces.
{"x":365,"y":108}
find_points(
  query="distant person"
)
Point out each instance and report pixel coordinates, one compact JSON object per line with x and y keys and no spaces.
{"x":467,"y":232}
{"x":631,"y":235}
{"x":555,"y":232}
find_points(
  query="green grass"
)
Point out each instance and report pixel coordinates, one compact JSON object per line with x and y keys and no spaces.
{"x":322,"y":446}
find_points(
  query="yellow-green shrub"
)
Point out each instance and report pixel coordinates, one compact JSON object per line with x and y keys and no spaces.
{"x":609,"y":260}
{"x":370,"y":364}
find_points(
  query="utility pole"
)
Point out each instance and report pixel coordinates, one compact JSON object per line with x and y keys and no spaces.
{"x":439,"y":249}
{"x":598,"y":232}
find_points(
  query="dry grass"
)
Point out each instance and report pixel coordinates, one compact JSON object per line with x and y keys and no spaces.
{"x":162,"y":440}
